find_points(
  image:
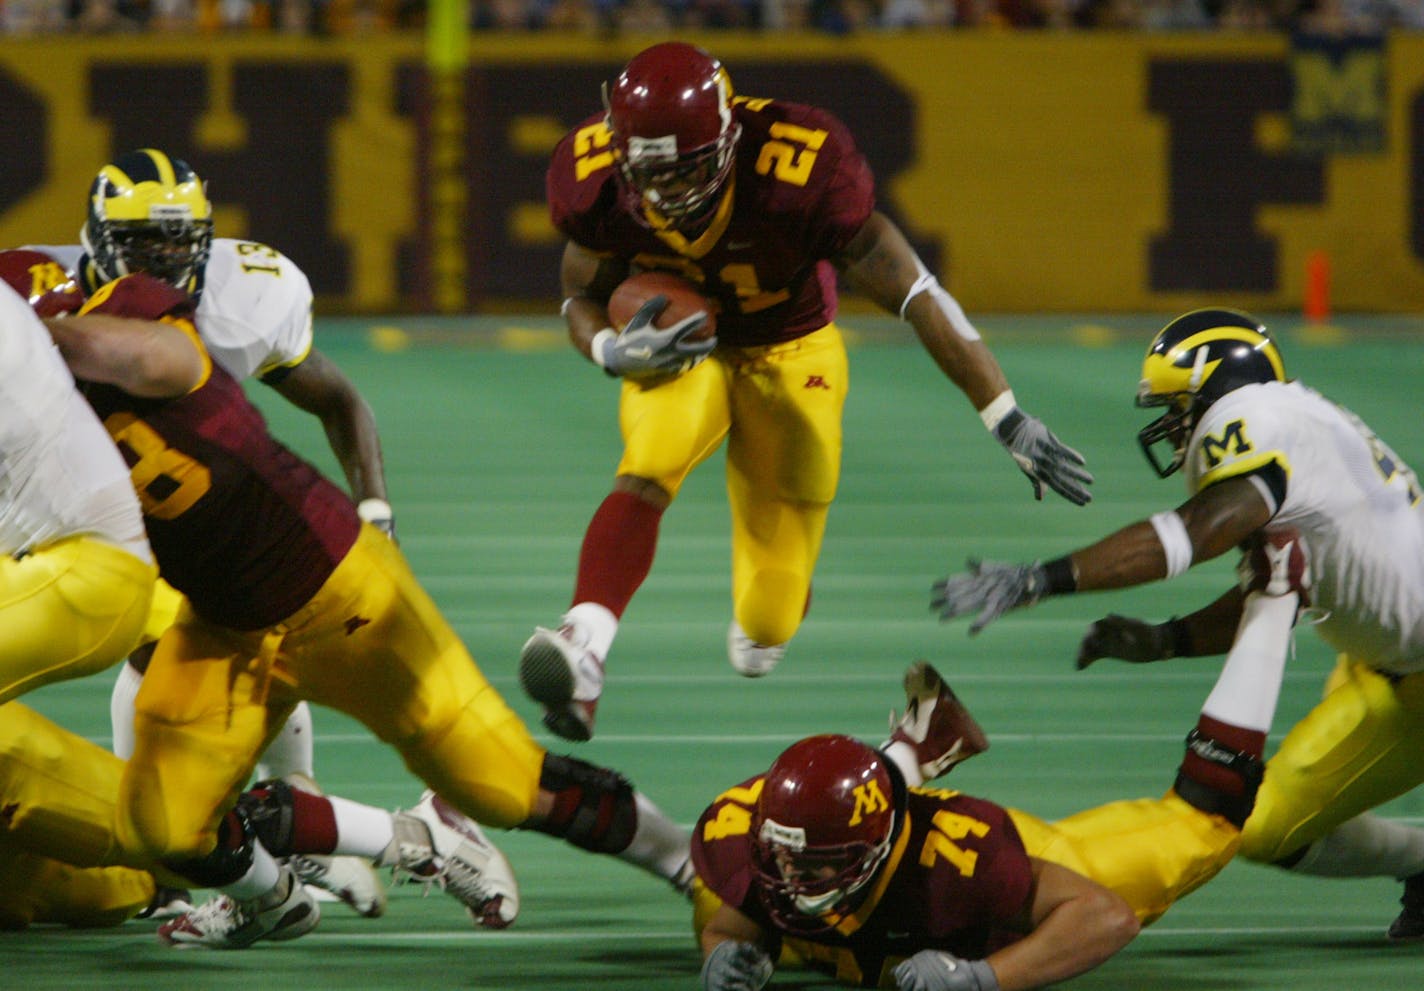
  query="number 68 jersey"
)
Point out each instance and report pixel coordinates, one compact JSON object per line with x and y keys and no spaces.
{"x":1358,"y":506}
{"x":956,"y":879}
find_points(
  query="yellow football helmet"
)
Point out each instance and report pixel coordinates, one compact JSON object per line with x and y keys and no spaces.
{"x":148,"y":213}
{"x":1191,"y":363}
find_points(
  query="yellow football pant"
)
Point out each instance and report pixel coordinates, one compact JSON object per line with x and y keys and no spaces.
{"x":59,"y":793}
{"x":1150,"y":851}
{"x":67,"y":610}
{"x":371,"y":644}
{"x":1359,"y":747}
{"x":779,"y":407}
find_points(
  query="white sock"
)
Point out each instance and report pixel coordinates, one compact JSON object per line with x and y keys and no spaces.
{"x":121,"y":709}
{"x":597,"y":623}
{"x":659,"y":846}
{"x":291,"y":751}
{"x":261,"y":878}
{"x":361,"y":830}
{"x":1250,"y":682}
{"x":1365,"y":846}
{"x":902,"y":755}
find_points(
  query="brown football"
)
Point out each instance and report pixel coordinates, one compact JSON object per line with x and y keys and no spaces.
{"x":683,"y":301}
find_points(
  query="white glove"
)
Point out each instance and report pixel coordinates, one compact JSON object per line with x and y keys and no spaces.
{"x":735,"y":965}
{"x":935,"y":970}
{"x":644,"y":351}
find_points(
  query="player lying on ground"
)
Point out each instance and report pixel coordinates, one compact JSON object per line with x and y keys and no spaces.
{"x":839,"y":858}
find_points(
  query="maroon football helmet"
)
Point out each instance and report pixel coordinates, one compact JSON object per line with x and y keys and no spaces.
{"x":821,"y":829}
{"x":670,"y":112}
{"x":41,"y":280}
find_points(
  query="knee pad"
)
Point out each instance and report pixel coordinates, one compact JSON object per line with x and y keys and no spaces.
{"x":594,"y":808}
{"x":229,"y":860}
{"x":269,"y":808}
{"x":1232,"y":803}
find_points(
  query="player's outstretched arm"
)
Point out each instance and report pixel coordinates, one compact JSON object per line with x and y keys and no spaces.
{"x":1204,"y":633}
{"x":321,"y":388}
{"x":880,"y":262}
{"x":1207,"y":525}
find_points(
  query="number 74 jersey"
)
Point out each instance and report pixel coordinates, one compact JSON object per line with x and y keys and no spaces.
{"x":956,"y":879}
{"x":1357,"y":504}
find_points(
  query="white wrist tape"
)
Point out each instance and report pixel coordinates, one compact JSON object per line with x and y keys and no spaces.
{"x":999,"y":407}
{"x":1177,"y":545}
{"x":564,"y":307}
{"x":373,"y":510}
{"x":947,"y":304}
{"x":599,"y":340}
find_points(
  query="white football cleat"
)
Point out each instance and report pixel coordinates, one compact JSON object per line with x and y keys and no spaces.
{"x":222,"y":923}
{"x":436,"y":844}
{"x":346,"y":879}
{"x":557,"y":670}
{"x":749,"y":658}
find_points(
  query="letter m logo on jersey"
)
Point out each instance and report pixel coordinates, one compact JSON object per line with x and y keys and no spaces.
{"x":1232,"y":441}
{"x":869,"y":799}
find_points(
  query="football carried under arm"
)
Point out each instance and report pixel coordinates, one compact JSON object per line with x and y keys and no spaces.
{"x":643,"y":350}
{"x":880,"y":262}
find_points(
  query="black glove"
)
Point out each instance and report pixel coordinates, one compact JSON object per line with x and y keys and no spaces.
{"x":935,"y":970}
{"x":735,"y":965}
{"x":990,"y":588}
{"x":1044,"y":458}
{"x":641,"y":350}
{"x":1130,"y":640}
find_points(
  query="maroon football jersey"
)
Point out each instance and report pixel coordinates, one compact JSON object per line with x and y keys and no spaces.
{"x":240,"y":525}
{"x":798,"y":193}
{"x":956,"y":877}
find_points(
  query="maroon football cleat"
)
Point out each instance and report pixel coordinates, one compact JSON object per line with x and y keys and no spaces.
{"x":936,"y":725}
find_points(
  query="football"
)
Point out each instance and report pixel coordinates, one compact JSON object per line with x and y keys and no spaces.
{"x":683,"y":301}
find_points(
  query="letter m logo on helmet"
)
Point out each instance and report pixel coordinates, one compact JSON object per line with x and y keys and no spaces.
{"x":869,"y":800}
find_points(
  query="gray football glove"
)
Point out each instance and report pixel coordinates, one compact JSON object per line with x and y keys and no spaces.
{"x":935,"y":970}
{"x":1127,"y":639}
{"x":644,"y":351}
{"x":990,"y":588}
{"x":1044,"y":458}
{"x":735,"y":965}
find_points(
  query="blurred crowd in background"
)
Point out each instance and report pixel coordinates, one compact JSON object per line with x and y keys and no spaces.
{"x":357,"y":17}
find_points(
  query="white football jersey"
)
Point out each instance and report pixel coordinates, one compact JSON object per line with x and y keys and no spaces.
{"x":1357,"y":504}
{"x":60,"y":474}
{"x":255,"y":311}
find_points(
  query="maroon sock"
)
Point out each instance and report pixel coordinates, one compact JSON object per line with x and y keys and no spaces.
{"x":1212,"y":774}
{"x":313,"y":823}
{"x":617,"y":551}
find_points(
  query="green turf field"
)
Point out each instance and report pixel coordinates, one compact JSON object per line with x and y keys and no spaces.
{"x":499,"y":444}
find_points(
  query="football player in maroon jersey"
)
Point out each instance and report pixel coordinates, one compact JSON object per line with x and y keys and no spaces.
{"x":760,"y":203}
{"x":290,"y":596}
{"x":840,"y":856}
